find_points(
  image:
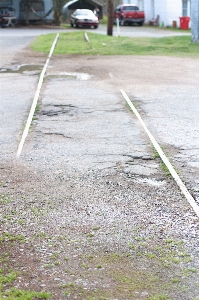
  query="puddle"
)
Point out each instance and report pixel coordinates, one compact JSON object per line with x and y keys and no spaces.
{"x":23,"y":69}
{"x":69,"y":75}
{"x":150,"y":181}
{"x":36,"y":69}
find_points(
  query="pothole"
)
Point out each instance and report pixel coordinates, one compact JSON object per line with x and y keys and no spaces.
{"x":69,"y":75}
{"x":23,"y":69}
{"x":56,"y":110}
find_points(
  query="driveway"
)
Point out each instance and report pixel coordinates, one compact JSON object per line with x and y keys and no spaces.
{"x":175,"y":78}
{"x":88,"y":208}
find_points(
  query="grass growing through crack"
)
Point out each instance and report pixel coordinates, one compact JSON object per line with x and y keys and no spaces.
{"x":163,"y":166}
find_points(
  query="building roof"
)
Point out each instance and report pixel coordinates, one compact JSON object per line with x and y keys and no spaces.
{"x":75,"y":4}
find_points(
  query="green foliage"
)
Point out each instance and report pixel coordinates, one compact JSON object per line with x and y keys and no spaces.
{"x":74,"y":43}
{"x":104,"y":20}
{"x":10,"y":293}
{"x":11,"y":238}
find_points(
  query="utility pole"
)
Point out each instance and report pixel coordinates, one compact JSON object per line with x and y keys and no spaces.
{"x":195,"y":20}
{"x":110,"y":17}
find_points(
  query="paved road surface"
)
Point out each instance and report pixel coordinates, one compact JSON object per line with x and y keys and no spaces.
{"x":172,"y":110}
{"x":87,"y":181}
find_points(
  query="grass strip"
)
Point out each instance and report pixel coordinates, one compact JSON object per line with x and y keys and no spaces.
{"x":74,"y":43}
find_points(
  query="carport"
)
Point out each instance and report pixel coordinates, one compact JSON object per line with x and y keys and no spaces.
{"x":69,"y":7}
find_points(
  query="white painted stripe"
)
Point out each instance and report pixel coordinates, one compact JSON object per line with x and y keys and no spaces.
{"x":179,"y":182}
{"x":86,"y":37}
{"x":35,"y":100}
{"x":88,"y":41}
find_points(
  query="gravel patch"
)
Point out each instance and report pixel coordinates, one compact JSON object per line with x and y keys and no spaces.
{"x":98,"y":235}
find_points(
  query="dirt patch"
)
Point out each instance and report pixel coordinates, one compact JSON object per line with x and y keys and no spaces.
{"x":96,"y":236}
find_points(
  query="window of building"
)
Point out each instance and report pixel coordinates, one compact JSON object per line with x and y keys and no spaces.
{"x":185,"y":8}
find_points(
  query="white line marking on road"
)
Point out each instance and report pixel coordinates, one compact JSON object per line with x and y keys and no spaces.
{"x":179,"y":182}
{"x":35,"y":100}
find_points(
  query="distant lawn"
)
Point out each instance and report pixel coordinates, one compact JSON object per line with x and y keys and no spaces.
{"x":75,"y":43}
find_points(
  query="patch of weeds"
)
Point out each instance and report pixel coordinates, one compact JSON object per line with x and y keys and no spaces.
{"x":187,"y":272}
{"x":37,"y":108}
{"x":8,"y":237}
{"x":4,"y":257}
{"x":54,"y":255}
{"x":91,"y":234}
{"x":64,"y":285}
{"x":159,"y":297}
{"x":150,"y":255}
{"x":61,"y":237}
{"x":163,"y":166}
{"x":42,"y":235}
{"x":137,"y":238}
{"x":131,"y":246}
{"x":66,"y":293}
{"x":155,"y":152}
{"x":99,"y":267}
{"x":165,"y":169}
{"x":5,"y":199}
{"x":96,"y":228}
{"x":14,"y":293}
{"x":111,"y":258}
{"x":176,"y":260}
{"x":8,"y":292}
{"x":21,"y":222}
{"x":85,"y":266}
{"x":48,"y":266}
{"x":175,"y":280}
{"x":72,"y":289}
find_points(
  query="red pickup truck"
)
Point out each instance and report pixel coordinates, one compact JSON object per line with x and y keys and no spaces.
{"x":129,"y":14}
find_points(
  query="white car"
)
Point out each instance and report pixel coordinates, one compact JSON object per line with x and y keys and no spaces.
{"x":83,"y":18}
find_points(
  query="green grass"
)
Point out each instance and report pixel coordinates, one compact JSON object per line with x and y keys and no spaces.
{"x":10,"y":293}
{"x":75,"y":43}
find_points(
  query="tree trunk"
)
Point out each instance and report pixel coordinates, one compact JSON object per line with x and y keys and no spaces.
{"x":57,"y":6}
{"x":27,"y":7}
{"x":110,"y":17}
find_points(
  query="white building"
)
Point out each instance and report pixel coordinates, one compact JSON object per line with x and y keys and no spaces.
{"x":168,"y":10}
{"x":41,"y":8}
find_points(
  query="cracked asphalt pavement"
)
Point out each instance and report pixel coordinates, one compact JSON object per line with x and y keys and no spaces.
{"x":88,"y":187}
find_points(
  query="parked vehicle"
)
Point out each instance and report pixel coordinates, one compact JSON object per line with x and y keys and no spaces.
{"x":83,"y":18}
{"x":129,"y":14}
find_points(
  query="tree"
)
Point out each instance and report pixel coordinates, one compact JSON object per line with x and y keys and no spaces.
{"x":57,"y":7}
{"x":110,"y":17}
{"x":26,"y":7}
